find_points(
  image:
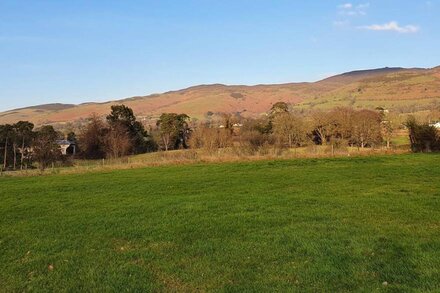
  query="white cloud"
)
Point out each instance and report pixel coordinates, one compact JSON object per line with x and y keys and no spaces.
{"x":346,"y":6}
{"x":348,"y":9}
{"x":392,"y":26}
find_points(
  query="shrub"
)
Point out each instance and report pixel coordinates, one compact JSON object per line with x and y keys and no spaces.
{"x":423,"y":137}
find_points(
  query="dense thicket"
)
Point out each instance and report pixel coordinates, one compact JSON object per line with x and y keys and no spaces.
{"x":282,"y":127}
{"x":423,"y":137}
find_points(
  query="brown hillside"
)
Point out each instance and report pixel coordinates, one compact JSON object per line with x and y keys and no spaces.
{"x":387,"y":87}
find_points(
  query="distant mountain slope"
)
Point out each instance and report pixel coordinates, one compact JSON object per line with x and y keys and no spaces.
{"x":357,"y":75}
{"x":385,"y":87}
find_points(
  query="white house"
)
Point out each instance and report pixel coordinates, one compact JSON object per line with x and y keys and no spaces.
{"x":436,"y":125}
{"x":67,"y":147}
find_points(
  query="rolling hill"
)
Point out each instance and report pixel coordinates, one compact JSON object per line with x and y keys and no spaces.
{"x":394,"y":88}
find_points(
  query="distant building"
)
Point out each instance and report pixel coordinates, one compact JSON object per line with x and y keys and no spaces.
{"x":67,"y":147}
{"x":382,"y":110}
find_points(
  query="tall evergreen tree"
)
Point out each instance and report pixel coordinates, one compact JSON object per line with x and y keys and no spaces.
{"x":173,"y":130}
{"x":23,"y":138}
{"x":45,"y":147}
{"x":6,"y":135}
{"x":123,"y":116}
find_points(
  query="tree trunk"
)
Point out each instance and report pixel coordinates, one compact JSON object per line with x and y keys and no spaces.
{"x":165,"y":142}
{"x":6,"y":154}
{"x":15,"y":155}
{"x":22,"y":154}
{"x":322,"y":137}
{"x":41,"y":165}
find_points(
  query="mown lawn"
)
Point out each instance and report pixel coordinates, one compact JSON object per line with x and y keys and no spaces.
{"x":311,"y":225}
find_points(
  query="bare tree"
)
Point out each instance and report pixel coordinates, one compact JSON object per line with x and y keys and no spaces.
{"x":279,"y":108}
{"x":210,"y":137}
{"x":387,"y":130}
{"x":367,"y":128}
{"x":118,"y":142}
{"x":343,"y":122}
{"x":289,"y":129}
{"x":323,"y":126}
{"x":92,"y":138}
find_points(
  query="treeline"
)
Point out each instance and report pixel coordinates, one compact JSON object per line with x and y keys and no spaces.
{"x":118,"y":135}
{"x":121,"y":134}
{"x":21,"y":146}
{"x":283,"y":128}
{"x":337,"y":128}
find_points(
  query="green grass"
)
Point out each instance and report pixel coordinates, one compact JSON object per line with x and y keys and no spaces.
{"x":401,"y":140}
{"x":312,"y":225}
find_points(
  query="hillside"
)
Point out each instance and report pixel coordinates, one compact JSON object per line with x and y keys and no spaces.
{"x":406,"y":89}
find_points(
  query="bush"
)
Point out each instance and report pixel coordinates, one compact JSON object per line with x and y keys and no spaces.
{"x":423,"y":137}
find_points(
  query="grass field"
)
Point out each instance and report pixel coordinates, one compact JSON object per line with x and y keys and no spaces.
{"x":306,"y":225}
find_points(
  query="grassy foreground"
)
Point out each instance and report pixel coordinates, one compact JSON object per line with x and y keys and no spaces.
{"x":346,"y":224}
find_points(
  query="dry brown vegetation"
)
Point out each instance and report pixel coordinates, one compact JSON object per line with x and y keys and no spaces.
{"x":185,"y":157}
{"x":403,"y":90}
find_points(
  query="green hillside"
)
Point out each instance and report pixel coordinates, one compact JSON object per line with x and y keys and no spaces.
{"x":404,"y":90}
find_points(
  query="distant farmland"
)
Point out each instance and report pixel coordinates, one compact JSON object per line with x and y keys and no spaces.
{"x":306,"y":225}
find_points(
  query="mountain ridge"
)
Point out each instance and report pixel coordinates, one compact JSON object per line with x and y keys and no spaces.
{"x":387,"y":87}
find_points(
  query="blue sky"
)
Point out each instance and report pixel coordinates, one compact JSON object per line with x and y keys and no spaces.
{"x":78,"y":51}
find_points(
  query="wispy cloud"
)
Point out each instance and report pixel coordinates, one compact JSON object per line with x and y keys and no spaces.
{"x":346,"y":6}
{"x":392,"y":26}
{"x":349,"y":9}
